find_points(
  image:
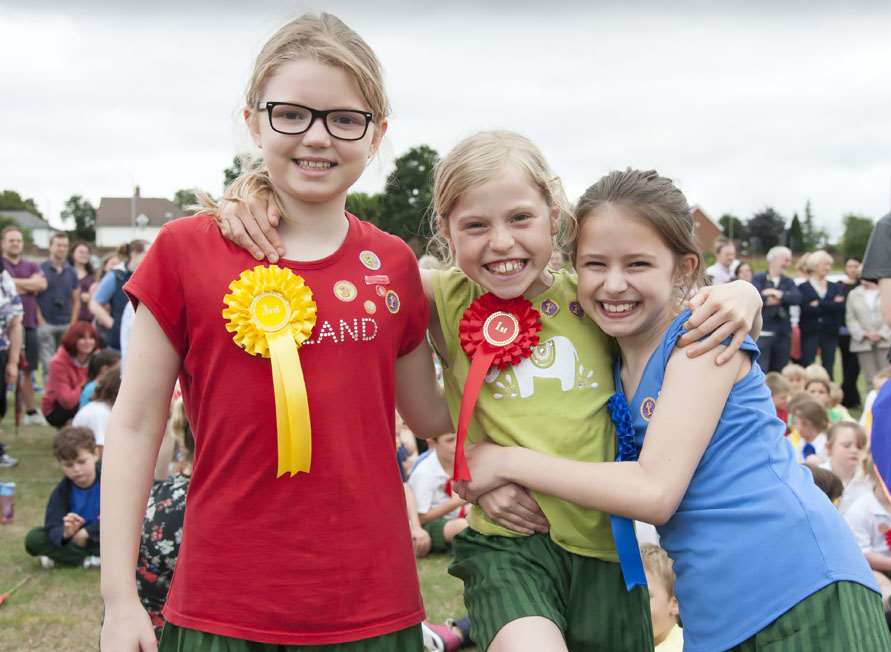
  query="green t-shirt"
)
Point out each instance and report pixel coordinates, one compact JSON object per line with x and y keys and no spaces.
{"x":553,"y":402}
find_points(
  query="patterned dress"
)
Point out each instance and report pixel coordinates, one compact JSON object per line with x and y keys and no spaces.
{"x":162,"y":533}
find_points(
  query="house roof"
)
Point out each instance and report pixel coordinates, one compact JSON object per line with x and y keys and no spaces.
{"x":123,"y":211}
{"x":27,"y":220}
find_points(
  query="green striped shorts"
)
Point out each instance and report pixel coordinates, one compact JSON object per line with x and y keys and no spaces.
{"x":507,"y":578}
{"x":843,"y":616}
{"x":181,"y":639}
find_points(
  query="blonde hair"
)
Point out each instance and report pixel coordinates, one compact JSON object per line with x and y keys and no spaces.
{"x":480,"y":158}
{"x":321,"y":37}
{"x":776,"y":383}
{"x":836,"y":394}
{"x":813,"y":259}
{"x":792,"y":370}
{"x":817,"y":372}
{"x":801,"y":265}
{"x":859,"y":433}
{"x":656,"y":201}
{"x":658,"y":564}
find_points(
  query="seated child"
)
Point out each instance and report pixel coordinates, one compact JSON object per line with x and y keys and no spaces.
{"x":877,"y":381}
{"x":811,"y":421}
{"x":816,"y":371}
{"x":845,"y":449}
{"x":870,"y":521}
{"x":70,"y":533}
{"x":100,"y":361}
{"x":162,"y":528}
{"x":829,"y":483}
{"x":780,"y":390}
{"x":420,"y":538}
{"x":94,"y":415}
{"x":440,"y":512}
{"x":667,"y":635}
{"x":797,"y":377}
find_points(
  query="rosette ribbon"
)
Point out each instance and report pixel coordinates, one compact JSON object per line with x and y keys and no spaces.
{"x":623,"y":527}
{"x":493,"y":331}
{"x":271,"y":312}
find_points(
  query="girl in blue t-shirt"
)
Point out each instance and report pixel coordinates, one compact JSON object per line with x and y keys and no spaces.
{"x":762,"y":558}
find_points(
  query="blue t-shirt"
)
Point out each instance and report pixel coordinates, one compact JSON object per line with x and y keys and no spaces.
{"x":86,"y":394}
{"x":753,"y":535}
{"x":85,"y":502}
{"x":56,"y":300}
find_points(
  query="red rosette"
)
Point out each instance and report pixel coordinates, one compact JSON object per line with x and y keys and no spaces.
{"x":493,"y":331}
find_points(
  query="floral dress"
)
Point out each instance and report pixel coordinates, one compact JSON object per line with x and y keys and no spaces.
{"x":162,"y":532}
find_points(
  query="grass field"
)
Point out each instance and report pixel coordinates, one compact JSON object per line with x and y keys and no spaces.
{"x":61,"y":609}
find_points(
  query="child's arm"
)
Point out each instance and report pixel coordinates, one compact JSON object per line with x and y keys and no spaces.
{"x":440,"y":510}
{"x":134,"y":434}
{"x":418,"y":396}
{"x":878,"y":561}
{"x":690,"y":405}
{"x":722,"y":311}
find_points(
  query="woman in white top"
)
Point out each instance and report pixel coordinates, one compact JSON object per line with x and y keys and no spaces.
{"x":846,"y":446}
{"x":870,"y":335}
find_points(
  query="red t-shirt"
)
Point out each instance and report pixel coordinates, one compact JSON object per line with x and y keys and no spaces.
{"x":316,"y":558}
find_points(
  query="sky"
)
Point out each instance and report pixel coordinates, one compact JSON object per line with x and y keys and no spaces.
{"x":744,"y":104}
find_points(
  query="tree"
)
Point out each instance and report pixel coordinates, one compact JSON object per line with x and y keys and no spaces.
{"x":856,"y":235}
{"x":733,"y":227}
{"x":185,"y":198}
{"x":809,"y":229}
{"x":364,"y":206}
{"x":10,"y":200}
{"x":84,"y":217}
{"x":5,"y":221}
{"x":240,"y":163}
{"x":795,"y":236}
{"x":408,"y":196}
{"x":766,"y":230}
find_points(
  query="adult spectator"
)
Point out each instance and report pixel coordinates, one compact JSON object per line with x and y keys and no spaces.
{"x":850,"y":364}
{"x":822,"y":312}
{"x":68,"y":373}
{"x":59,"y":303}
{"x":780,"y":294}
{"x":10,"y":346}
{"x":29,"y":280}
{"x":111,"y":292}
{"x":725,"y":255}
{"x":79,"y":259}
{"x":877,"y":263}
{"x":870,"y":336}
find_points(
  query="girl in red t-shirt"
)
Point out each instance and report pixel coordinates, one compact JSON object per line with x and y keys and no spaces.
{"x":282,"y":557}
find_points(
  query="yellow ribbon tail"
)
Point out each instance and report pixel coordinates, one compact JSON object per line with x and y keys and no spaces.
{"x":291,"y":405}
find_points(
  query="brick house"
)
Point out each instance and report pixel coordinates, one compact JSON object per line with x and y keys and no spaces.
{"x":122,"y":219}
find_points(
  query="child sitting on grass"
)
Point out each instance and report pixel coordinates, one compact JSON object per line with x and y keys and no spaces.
{"x":810,"y":421}
{"x":94,"y":415}
{"x":70,"y":534}
{"x":780,"y":390}
{"x":870,"y":521}
{"x":667,"y":634}
{"x":100,"y":361}
{"x":797,"y":377}
{"x":441,"y":513}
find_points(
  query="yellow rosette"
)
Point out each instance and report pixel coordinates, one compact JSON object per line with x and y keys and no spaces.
{"x":271,"y":312}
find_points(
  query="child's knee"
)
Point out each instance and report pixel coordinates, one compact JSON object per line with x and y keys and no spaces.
{"x":81,"y":538}
{"x":35,"y":541}
{"x":453,"y":528}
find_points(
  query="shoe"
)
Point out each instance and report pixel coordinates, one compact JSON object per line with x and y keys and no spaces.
{"x":46,"y":562}
{"x":92,"y":562}
{"x":35,"y":419}
{"x":439,"y":638}
{"x":7,"y":462}
{"x":462,"y":624}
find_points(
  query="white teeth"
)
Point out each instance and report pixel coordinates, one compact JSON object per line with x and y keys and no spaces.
{"x":618,"y":307}
{"x":314,"y":165}
{"x":505,"y":266}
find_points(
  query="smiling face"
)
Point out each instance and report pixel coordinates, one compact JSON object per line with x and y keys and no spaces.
{"x":312,"y":167}
{"x":844,"y":452}
{"x":81,"y":254}
{"x":86,"y":345}
{"x":627,"y":275}
{"x":501,"y":233}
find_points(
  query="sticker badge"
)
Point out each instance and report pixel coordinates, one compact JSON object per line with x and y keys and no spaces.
{"x":377,"y":279}
{"x":370,"y":260}
{"x":647,"y":407}
{"x":549,"y":308}
{"x":501,"y":328}
{"x":576,"y":308}
{"x":369,"y":306}
{"x":345,"y":291}
{"x":392,"y":301}
{"x":381,"y":291}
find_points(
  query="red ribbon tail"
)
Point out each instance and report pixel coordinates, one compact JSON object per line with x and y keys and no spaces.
{"x":479,"y":367}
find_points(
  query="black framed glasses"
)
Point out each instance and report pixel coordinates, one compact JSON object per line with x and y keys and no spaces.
{"x":292,"y":119}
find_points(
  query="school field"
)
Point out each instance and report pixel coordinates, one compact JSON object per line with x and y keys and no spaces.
{"x":61,"y":609}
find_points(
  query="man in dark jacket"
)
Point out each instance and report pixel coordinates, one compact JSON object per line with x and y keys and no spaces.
{"x":779,"y":293}
{"x":70,"y":534}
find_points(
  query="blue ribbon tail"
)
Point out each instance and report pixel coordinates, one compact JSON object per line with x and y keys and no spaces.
{"x":629,"y":553}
